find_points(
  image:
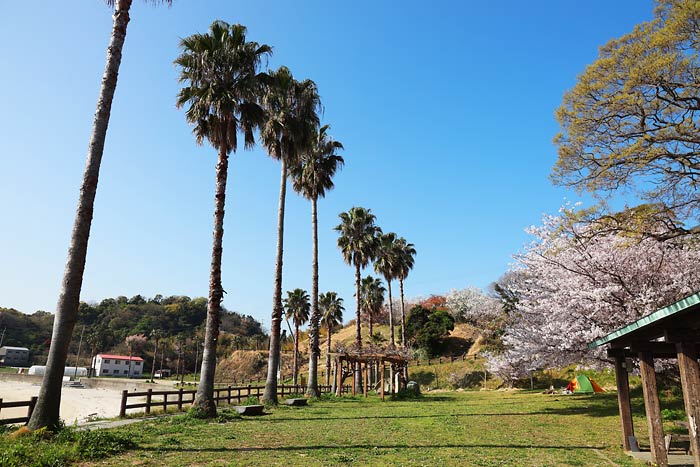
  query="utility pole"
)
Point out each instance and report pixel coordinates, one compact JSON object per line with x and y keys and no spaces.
{"x":2,"y":336}
{"x":77,"y":357}
{"x":196,"y":357}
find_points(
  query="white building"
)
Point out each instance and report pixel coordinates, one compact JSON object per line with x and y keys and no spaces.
{"x":117,"y":365}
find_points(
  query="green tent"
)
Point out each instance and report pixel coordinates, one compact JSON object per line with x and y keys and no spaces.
{"x":581,"y":384}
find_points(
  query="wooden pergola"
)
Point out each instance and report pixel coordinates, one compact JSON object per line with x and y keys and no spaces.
{"x":366,"y":361}
{"x":672,"y":332}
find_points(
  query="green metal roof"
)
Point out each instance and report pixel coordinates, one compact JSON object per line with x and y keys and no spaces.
{"x":670,"y":310}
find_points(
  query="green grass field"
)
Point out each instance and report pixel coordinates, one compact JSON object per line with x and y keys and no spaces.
{"x":487,"y":428}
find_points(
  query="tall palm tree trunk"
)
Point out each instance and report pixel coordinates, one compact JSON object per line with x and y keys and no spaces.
{"x":46,"y":412}
{"x":391,"y":335}
{"x":391,"y":317}
{"x":358,"y":331}
{"x":370,"y":323}
{"x":403,"y":315}
{"x":204,"y":399}
{"x":328,"y":357}
{"x":296,"y":355}
{"x":314,"y":351}
{"x":270,"y":394}
{"x":403,"y":326}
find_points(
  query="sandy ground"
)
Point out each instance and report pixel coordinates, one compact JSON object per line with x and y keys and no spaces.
{"x":76,"y":404}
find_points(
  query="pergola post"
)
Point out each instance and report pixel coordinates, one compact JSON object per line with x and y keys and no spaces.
{"x":623,"y":402}
{"x":651,"y":402}
{"x":365,"y":374}
{"x":690,"y":382}
{"x":354,"y":374}
{"x":338,"y":376}
{"x":381,"y":377}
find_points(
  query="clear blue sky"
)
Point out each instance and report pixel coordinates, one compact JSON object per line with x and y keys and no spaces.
{"x":445,"y":110}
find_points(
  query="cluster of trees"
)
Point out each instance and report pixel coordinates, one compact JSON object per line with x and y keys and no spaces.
{"x":225,"y":94}
{"x":629,"y":126}
{"x":574,"y":287}
{"x":106,"y":325}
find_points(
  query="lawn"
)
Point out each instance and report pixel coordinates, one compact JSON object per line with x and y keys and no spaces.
{"x":487,"y":428}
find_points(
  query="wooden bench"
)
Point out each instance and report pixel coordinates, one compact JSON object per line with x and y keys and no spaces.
{"x":250,"y":409}
{"x":298,"y":402}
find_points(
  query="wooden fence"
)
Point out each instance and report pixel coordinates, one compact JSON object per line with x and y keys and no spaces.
{"x":9,"y":405}
{"x":226,"y":395}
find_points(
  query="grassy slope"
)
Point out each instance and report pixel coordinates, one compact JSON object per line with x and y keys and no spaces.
{"x":450,"y":429}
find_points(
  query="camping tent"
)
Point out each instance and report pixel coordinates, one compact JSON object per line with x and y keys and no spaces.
{"x":582,"y":384}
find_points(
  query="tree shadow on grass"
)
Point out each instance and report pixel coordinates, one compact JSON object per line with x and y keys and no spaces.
{"x":384,"y":417}
{"x":377,"y":446}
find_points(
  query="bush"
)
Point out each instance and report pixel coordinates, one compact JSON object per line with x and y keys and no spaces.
{"x":466,"y":379}
{"x":43,"y":448}
{"x":91,"y":445}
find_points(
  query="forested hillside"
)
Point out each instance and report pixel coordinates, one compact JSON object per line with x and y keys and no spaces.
{"x":106,"y":325}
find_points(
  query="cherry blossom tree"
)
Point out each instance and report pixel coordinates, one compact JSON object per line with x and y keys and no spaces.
{"x":472,"y":305}
{"x":572,"y":289}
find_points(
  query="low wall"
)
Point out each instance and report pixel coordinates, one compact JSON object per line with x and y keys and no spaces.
{"x":32,"y":379}
{"x":121,"y":384}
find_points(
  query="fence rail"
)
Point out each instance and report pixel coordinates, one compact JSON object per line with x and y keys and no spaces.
{"x":226,"y":395}
{"x":441,"y":360}
{"x":30,"y":404}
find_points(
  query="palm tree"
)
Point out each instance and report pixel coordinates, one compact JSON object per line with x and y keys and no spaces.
{"x":222,"y":89}
{"x":372,"y":298}
{"x":46,"y":411}
{"x":312,"y":176}
{"x":358,"y":242}
{"x":406,"y":258}
{"x":386,"y":265}
{"x":291,"y":121}
{"x":297,"y":307}
{"x":331,"y":316}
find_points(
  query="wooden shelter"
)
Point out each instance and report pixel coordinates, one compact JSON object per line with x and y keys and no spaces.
{"x":672,"y":332}
{"x":347,"y":362}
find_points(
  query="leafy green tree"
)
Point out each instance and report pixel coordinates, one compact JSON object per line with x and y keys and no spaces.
{"x":46,"y":411}
{"x":312,"y":176}
{"x":372,"y":299}
{"x":222,"y":85}
{"x":406,"y":253}
{"x":331,"y":316}
{"x":291,"y":120}
{"x":631,"y":123}
{"x":386,"y":264}
{"x":297,"y":309}
{"x":427,"y":328}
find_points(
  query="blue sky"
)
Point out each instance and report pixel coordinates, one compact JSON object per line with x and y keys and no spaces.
{"x":446,"y":111}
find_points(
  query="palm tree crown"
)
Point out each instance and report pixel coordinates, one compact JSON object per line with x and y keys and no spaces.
{"x":358,"y":240}
{"x":331,"y":309}
{"x":406,"y":258}
{"x":387,"y":257}
{"x":313,"y":175}
{"x":372,"y":295}
{"x":291,"y":119}
{"x":223,"y":85}
{"x":297,"y":306}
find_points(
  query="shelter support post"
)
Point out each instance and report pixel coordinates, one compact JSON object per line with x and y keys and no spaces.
{"x":690,"y":382}
{"x":623,"y":402}
{"x":653,"y":409}
{"x":366,"y":374}
{"x":355,"y":369}
{"x":381,"y":378}
{"x":338,"y":377}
